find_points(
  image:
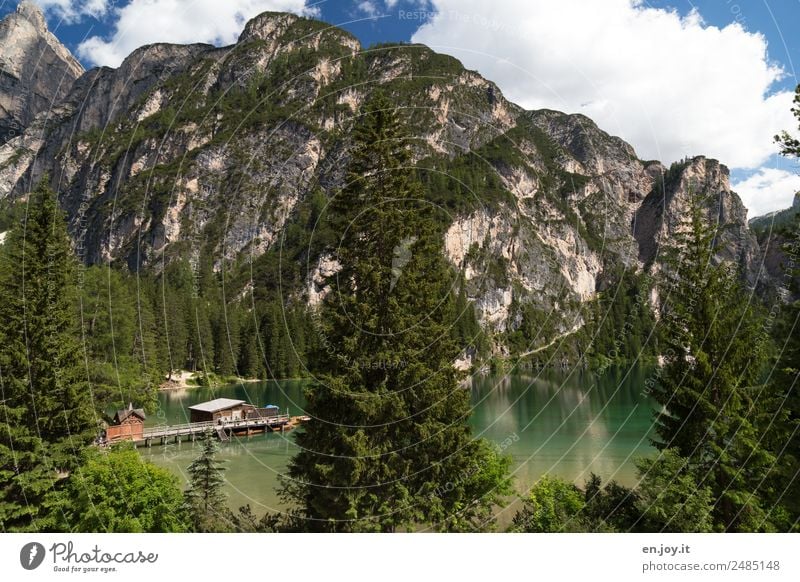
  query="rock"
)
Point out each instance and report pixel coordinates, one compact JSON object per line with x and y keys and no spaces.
{"x":36,"y":70}
{"x":190,"y":151}
{"x":665,"y":209}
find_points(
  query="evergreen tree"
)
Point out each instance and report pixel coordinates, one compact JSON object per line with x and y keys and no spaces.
{"x":785,"y":436}
{"x":148,"y":350}
{"x":612,"y":507}
{"x":204,"y":500}
{"x":388,"y":445}
{"x":669,"y":498}
{"x":226,"y":341}
{"x":112,"y":337}
{"x":45,"y":400}
{"x":715,"y":355}
{"x":172,"y":304}
{"x":276,"y":333}
{"x":250,"y":361}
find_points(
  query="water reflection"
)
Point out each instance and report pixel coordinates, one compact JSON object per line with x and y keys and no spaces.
{"x":567,"y":424}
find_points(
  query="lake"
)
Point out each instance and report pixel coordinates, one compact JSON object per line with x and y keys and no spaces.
{"x":559,"y":422}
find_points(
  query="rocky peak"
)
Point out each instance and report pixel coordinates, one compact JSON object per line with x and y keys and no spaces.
{"x":706,"y":174}
{"x":664,"y":211}
{"x":38,"y":71}
{"x":33,"y":14}
{"x":267,"y":26}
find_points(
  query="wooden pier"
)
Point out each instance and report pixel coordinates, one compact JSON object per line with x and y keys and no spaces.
{"x":223,"y":429}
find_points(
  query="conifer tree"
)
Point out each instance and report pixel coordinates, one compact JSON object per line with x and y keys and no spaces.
{"x":785,"y":499}
{"x":172,"y":298}
{"x":388,"y":446}
{"x":715,"y":355}
{"x":250,"y":360}
{"x":205,"y":500}
{"x":669,"y":498}
{"x":46,"y":413}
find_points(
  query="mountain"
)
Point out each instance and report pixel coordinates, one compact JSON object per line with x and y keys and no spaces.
{"x":228,"y":156}
{"x":777,"y":234}
{"x":36,"y":70}
{"x":777,"y":220}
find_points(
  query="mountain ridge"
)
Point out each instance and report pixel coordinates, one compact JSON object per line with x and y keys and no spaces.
{"x":213,"y":154}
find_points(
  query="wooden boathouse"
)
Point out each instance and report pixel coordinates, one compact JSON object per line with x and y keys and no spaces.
{"x":224,"y":417}
{"x":128,"y":425}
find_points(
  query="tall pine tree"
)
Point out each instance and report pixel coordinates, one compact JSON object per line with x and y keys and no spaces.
{"x":46,"y":415}
{"x":388,"y":446}
{"x":715,"y":355}
{"x":786,"y":500}
{"x":204,"y":500}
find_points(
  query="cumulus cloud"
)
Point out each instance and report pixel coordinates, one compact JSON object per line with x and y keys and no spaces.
{"x":142,"y":22}
{"x":368,"y":8}
{"x":768,"y":190}
{"x":670,"y":85}
{"x":74,"y":10}
{"x":374,"y":8}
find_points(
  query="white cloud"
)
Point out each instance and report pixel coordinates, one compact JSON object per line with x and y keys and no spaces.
{"x":142,"y":22}
{"x":372,"y":8}
{"x":74,"y":10}
{"x":768,"y":190}
{"x":368,"y":7}
{"x":670,"y":85}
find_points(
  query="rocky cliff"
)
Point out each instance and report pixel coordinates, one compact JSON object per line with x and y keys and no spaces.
{"x":226,"y":154}
{"x":36,"y":70}
{"x":778,"y":235}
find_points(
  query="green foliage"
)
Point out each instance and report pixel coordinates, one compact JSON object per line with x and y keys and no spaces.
{"x":119,"y":335}
{"x":552,"y":505}
{"x":45,"y":400}
{"x":715,"y":354}
{"x":622,"y":325}
{"x":204,"y":501}
{"x":464,"y":183}
{"x":12,"y":213}
{"x":387,"y":447}
{"x":782,"y":432}
{"x":245,"y":521}
{"x":117,"y":491}
{"x":670,"y":499}
{"x":790,"y":146}
{"x":612,"y":507}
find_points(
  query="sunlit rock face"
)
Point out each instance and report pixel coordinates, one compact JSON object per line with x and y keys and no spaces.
{"x":224,"y":155}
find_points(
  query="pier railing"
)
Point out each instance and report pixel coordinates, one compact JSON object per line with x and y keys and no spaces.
{"x":194,"y":428}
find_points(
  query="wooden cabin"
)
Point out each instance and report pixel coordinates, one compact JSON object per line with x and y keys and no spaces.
{"x":128,"y":425}
{"x":221,"y":409}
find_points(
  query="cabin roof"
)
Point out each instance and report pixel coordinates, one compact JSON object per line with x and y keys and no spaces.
{"x":216,"y":405}
{"x":126,"y":412}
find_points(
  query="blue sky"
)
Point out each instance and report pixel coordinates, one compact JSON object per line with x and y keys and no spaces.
{"x":674,"y":78}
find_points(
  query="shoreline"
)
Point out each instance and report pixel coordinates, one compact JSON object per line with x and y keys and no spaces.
{"x":184,"y":380}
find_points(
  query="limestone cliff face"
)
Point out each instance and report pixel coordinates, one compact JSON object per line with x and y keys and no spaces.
{"x":665,"y":209}
{"x":777,"y":234}
{"x":228,"y":154}
{"x":36,"y":70}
